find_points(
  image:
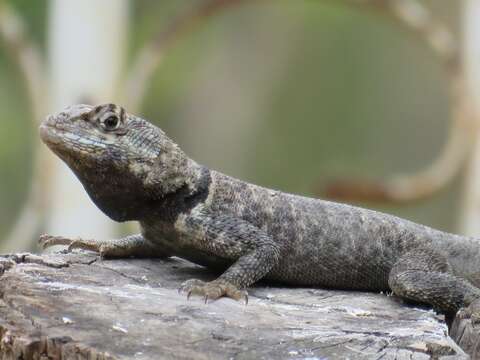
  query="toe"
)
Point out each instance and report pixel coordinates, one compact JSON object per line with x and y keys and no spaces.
{"x":189,"y":285}
{"x":73,"y":245}
{"x":46,"y":241}
{"x":463,"y":313}
{"x":213,"y":290}
{"x":236,"y":294}
{"x":43,"y":241}
{"x":90,"y":245}
{"x":471,"y":312}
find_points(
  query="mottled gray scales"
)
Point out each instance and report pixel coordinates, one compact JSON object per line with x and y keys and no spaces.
{"x":133,"y":171}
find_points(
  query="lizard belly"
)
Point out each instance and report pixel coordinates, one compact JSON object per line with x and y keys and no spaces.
{"x":203,"y":258}
{"x":175,"y":244}
{"x":339,"y":274}
{"x":334,"y":263}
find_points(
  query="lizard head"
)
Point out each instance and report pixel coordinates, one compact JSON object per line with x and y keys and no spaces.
{"x":123,"y":161}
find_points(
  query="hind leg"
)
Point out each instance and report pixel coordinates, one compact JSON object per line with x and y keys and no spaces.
{"x":425,"y":276}
{"x":130,"y":246}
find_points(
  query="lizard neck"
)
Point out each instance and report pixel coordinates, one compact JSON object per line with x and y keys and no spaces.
{"x":167,"y":209}
{"x":128,"y":199}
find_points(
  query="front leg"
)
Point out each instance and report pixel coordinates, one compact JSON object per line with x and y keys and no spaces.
{"x":130,"y":246}
{"x":253,"y":252}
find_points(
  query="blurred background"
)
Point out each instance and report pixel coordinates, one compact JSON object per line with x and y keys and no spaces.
{"x":366,"y":102}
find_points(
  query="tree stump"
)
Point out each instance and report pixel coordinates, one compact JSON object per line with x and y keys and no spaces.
{"x":77,"y":306}
{"x":467,"y":335}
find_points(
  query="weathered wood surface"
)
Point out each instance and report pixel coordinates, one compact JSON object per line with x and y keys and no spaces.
{"x":467,"y":335}
{"x":76,"y":306}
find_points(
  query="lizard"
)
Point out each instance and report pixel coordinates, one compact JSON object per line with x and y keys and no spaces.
{"x":133,"y":171}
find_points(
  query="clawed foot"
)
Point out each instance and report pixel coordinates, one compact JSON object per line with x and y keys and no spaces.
{"x":213,"y":290}
{"x":471,"y":312}
{"x":47,"y":241}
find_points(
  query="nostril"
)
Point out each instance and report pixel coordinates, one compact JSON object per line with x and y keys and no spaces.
{"x":50,"y":120}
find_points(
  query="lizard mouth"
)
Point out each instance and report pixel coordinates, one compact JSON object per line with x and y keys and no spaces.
{"x":49,"y":134}
{"x":60,"y":137}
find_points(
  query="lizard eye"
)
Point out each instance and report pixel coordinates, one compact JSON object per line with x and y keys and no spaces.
{"x":111,"y":123}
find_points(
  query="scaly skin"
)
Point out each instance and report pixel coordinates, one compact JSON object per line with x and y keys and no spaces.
{"x":133,"y":171}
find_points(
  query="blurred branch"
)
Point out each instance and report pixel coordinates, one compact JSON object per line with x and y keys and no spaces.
{"x":30,"y":63}
{"x":416,"y":17}
{"x":152,"y":53}
{"x":410,"y":14}
{"x":426,"y":182}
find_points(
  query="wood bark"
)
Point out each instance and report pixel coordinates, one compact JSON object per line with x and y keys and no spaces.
{"x":64,"y":306}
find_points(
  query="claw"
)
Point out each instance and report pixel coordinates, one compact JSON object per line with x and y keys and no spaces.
{"x":212,"y":290}
{"x":42,"y":240}
{"x":71,"y":246}
{"x":45,"y":241}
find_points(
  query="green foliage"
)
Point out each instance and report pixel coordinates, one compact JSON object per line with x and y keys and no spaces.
{"x":16,"y":135}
